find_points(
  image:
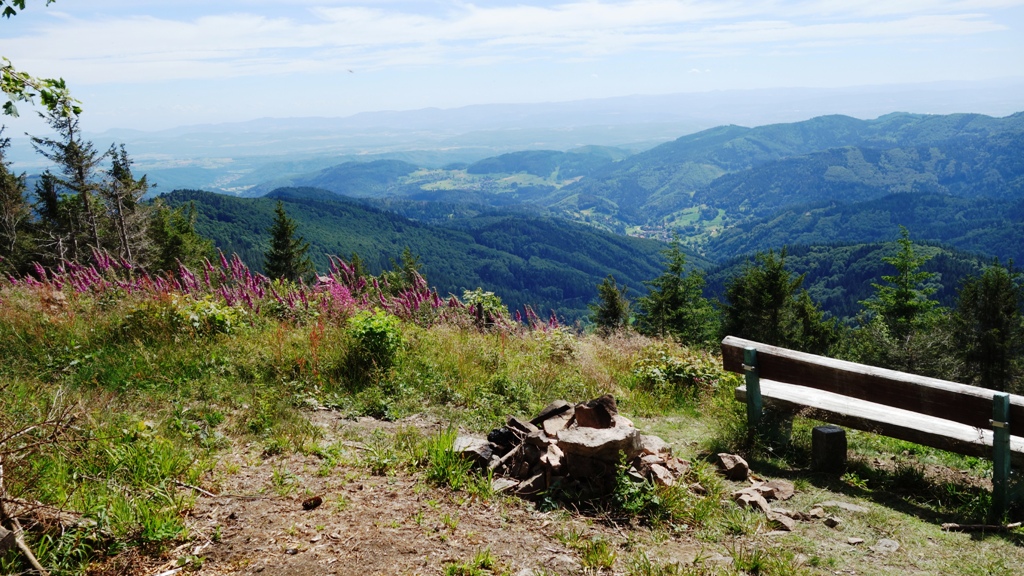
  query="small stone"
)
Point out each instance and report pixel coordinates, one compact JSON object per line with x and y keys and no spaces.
{"x":620,"y":421}
{"x":854,"y":541}
{"x":781,"y":521}
{"x":552,"y":458}
{"x":751,"y":498}
{"x":733,"y":467}
{"x":786,"y":513}
{"x":779,"y":489}
{"x":697,"y":489}
{"x":678,"y":467}
{"x":649,"y":459}
{"x":538,"y":439}
{"x":885,"y":546}
{"x":500,"y":485}
{"x":816,"y":513}
{"x":661,"y":476}
{"x":654,"y":445}
{"x":312,"y":503}
{"x":292,"y":551}
{"x":833,"y":522}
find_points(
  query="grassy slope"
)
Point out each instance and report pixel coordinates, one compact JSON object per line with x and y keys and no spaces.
{"x":162,"y":399}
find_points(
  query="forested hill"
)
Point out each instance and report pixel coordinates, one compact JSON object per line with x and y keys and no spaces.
{"x":750,"y":171}
{"x":550,"y":264}
{"x":840,"y":277}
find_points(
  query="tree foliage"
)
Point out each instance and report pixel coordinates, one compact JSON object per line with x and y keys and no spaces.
{"x":766,"y":303}
{"x":611,"y":313}
{"x":676,"y":305}
{"x":903,"y":303}
{"x":989,"y":327}
{"x":288,"y":257}
{"x":23,"y":87}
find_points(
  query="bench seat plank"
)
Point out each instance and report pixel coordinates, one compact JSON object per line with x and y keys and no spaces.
{"x":880,"y":419}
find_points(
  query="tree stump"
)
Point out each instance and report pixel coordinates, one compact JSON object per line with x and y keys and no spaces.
{"x":828,"y":449}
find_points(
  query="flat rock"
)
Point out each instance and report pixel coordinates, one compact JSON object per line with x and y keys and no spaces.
{"x":816,"y":513}
{"x":751,"y":498}
{"x":733,"y":467}
{"x":854,"y":541}
{"x":885,"y":546}
{"x":661,"y":476}
{"x":654,"y":445}
{"x":843,"y":506}
{"x":521,"y":427}
{"x":599,"y":444}
{"x":555,"y":424}
{"x":556,"y":408}
{"x":503,"y":484}
{"x":781,"y":521}
{"x":779,"y":490}
{"x":479,"y":450}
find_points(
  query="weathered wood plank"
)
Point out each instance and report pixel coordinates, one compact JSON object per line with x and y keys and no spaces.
{"x":884,"y":420}
{"x":969,"y":405}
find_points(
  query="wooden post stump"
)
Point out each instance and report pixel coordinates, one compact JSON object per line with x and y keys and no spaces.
{"x":828,"y":449}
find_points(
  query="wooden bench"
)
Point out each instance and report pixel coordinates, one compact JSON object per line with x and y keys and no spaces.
{"x":956,"y":417}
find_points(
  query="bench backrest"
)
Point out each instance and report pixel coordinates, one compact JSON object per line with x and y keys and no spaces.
{"x":961,"y":403}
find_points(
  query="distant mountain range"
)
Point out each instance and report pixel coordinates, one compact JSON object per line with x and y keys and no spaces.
{"x":832,"y":189}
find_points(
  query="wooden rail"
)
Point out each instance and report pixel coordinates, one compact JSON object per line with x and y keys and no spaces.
{"x":937,"y":413}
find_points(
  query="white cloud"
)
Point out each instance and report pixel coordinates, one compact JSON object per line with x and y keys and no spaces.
{"x":338,"y":36}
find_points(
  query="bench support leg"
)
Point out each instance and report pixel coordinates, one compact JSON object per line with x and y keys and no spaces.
{"x":755,"y":407}
{"x":1000,"y":454}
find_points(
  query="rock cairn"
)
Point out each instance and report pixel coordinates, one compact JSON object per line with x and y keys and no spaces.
{"x":577,"y":448}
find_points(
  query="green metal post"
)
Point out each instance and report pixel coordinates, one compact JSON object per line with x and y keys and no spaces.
{"x":754,"y":405}
{"x":1000,"y":454}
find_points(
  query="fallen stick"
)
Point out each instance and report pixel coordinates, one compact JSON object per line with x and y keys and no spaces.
{"x":25,"y":550}
{"x":196,"y":488}
{"x":952,"y":527}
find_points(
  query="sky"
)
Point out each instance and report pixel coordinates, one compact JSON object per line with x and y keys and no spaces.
{"x":151,"y":65}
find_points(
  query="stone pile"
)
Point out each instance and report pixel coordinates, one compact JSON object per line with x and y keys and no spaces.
{"x":577,"y":448}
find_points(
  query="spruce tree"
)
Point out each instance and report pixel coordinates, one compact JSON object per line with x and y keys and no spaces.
{"x":903,"y":302}
{"x":675,"y":305}
{"x":287,"y":258}
{"x":611,"y":313}
{"x":989,"y":327}
{"x":765,"y":303}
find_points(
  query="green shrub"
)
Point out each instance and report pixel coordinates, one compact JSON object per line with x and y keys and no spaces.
{"x":377,"y":340}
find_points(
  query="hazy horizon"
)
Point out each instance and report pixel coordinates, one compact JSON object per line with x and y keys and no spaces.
{"x":147,"y":65}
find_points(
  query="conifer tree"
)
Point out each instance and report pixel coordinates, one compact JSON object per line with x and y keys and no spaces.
{"x":903,"y":303}
{"x":611,"y":313}
{"x":174,"y":238}
{"x":287,"y":258}
{"x":989,"y":327}
{"x":14,"y":215}
{"x":766,"y":303}
{"x":675,"y":304}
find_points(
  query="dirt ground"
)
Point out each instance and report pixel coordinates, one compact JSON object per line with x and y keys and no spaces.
{"x":367,"y":524}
